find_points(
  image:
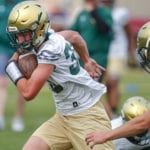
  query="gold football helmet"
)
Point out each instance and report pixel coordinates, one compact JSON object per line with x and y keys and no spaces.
{"x":143,"y":46}
{"x":134,"y":107}
{"x":28,"y":16}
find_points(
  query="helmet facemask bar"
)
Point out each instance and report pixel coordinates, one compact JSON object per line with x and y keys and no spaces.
{"x":144,"y":56}
{"x":12,"y":38}
{"x":26,"y":45}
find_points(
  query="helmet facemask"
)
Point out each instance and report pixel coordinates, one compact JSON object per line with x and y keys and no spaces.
{"x":26,"y":45}
{"x":143,"y":46}
{"x":143,"y":58}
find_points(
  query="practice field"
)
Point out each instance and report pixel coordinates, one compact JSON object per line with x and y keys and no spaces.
{"x":133,"y":83}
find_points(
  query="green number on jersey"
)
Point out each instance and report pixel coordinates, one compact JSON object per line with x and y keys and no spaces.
{"x":70,"y":54}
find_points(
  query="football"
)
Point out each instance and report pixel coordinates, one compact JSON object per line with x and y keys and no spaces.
{"x":27,"y":63}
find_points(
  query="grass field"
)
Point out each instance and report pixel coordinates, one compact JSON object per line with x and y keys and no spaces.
{"x":133,"y":83}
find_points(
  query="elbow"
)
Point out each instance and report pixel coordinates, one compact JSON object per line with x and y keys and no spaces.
{"x":27,"y":90}
{"x":28,"y":96}
{"x":74,"y":36}
{"x":74,"y":33}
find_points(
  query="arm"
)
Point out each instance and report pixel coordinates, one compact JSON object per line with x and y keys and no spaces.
{"x":78,"y":43}
{"x":29,"y":88}
{"x":81,"y":48}
{"x":131,"y":128}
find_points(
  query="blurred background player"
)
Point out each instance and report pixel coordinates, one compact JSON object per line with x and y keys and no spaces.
{"x":5,"y":53}
{"x":122,"y":50}
{"x":94,"y":23}
{"x":132,"y":108}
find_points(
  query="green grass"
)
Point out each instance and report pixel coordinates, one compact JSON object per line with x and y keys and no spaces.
{"x":133,"y":83}
{"x":36,"y":112}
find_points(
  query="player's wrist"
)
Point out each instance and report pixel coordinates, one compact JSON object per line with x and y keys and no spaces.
{"x":13,"y":71}
{"x":108,"y":136}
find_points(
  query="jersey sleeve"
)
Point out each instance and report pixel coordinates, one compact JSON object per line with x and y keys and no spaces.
{"x":52,"y":50}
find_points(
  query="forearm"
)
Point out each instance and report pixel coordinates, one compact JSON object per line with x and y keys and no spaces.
{"x":131,"y":128}
{"x":94,"y":70}
{"x":24,"y":86}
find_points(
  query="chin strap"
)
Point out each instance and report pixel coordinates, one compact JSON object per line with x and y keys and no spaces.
{"x":14,"y":72}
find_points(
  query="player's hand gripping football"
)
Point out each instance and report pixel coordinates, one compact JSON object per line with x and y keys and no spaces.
{"x":93,"y":68}
{"x":27,"y":62}
{"x":21,"y":65}
{"x":16,"y":55}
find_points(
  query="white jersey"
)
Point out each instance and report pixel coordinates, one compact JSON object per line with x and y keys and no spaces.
{"x":119,"y":45}
{"x":73,"y":88}
{"x":133,"y":143}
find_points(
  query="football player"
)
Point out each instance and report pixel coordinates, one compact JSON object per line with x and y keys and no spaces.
{"x":76,"y":95}
{"x":132,"y":108}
